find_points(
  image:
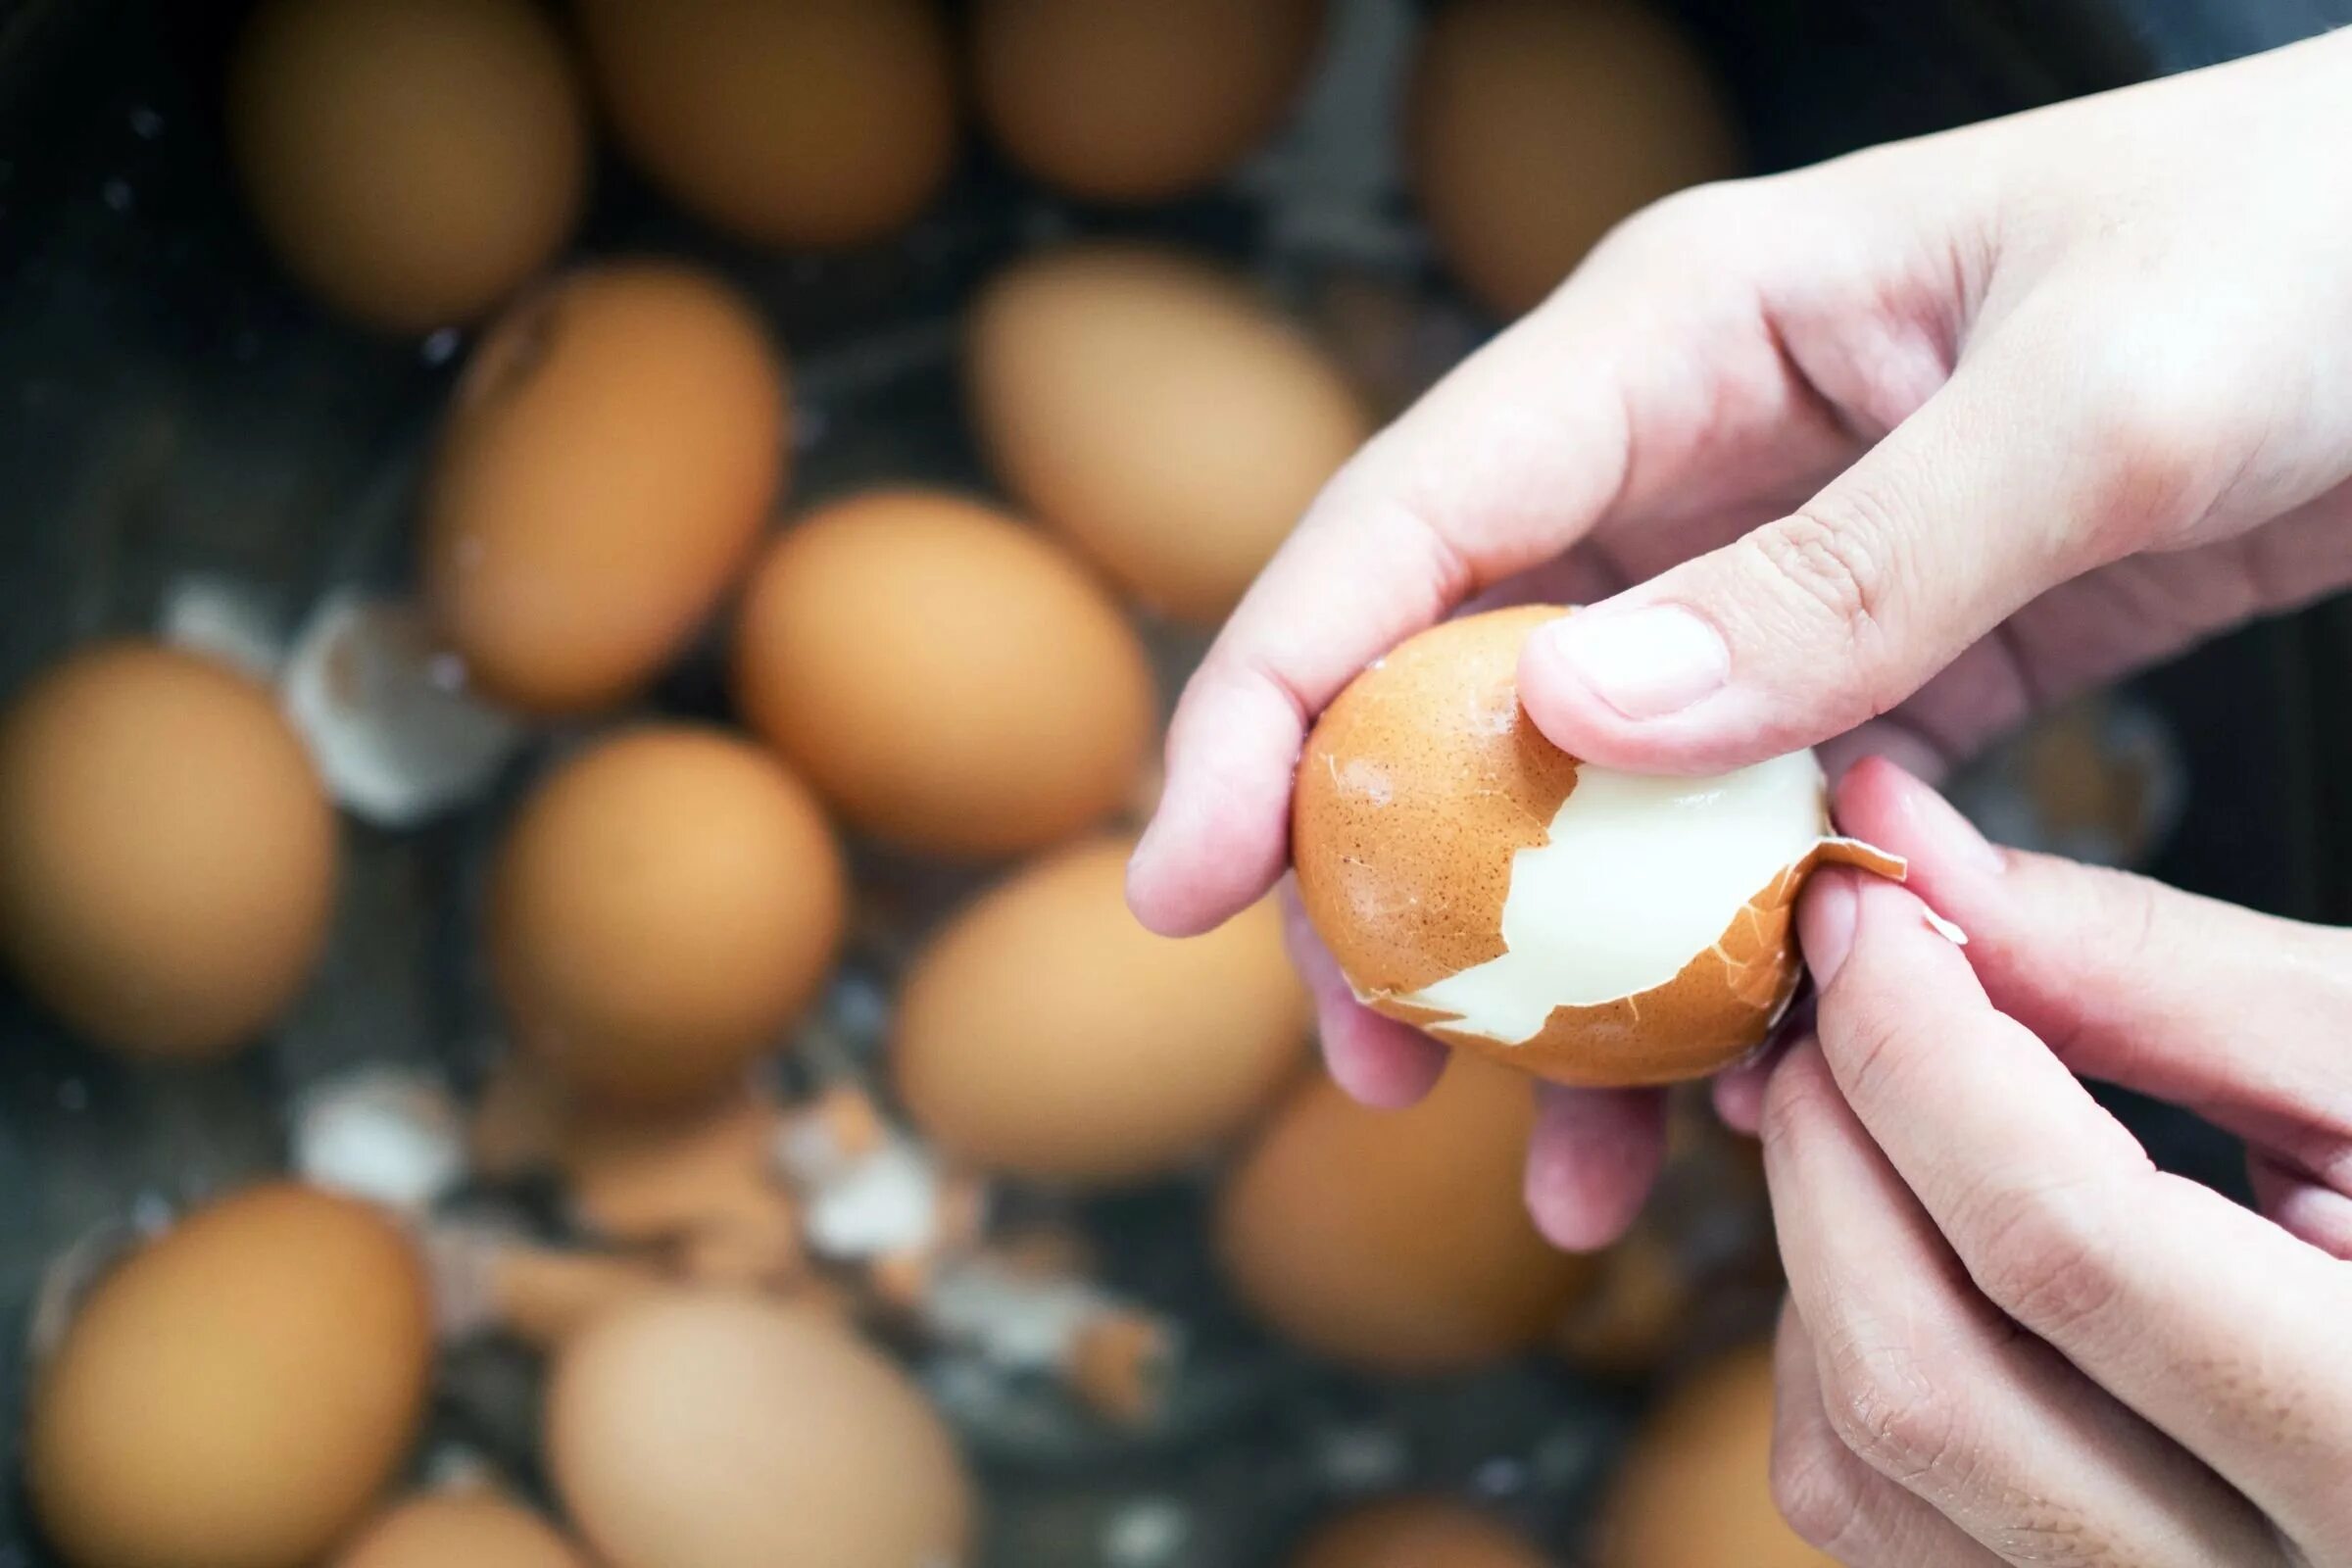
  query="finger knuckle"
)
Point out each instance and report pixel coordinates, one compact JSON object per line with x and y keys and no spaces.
{"x":1697,"y":221}
{"x":1835,"y":557}
{"x":1873,"y":1034}
{"x":1889,"y":1410}
{"x":2157,"y":450}
{"x":2042,"y":1255}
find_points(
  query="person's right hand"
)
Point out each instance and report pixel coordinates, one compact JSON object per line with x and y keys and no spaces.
{"x":1909,"y":442}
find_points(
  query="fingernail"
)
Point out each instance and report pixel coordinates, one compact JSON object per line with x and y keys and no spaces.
{"x":1646,"y":663}
{"x":1824,"y":925}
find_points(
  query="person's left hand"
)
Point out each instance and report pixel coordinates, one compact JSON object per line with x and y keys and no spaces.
{"x":2010,"y":1338}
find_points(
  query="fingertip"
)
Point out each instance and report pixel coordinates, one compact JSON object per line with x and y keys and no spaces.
{"x":1739,"y":1096}
{"x":1592,"y":1159}
{"x":1377,"y":1062}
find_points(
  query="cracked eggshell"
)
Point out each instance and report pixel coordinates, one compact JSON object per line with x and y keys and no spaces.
{"x":1588,"y":927}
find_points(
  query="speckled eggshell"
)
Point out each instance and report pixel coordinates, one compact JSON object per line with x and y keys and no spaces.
{"x":1417,"y":789}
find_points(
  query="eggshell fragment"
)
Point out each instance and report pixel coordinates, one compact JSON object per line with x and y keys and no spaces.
{"x":1697,"y":1485}
{"x":1045,"y":1033}
{"x":411,"y":161}
{"x":168,"y":857}
{"x":809,"y":123}
{"x":1138,"y":103}
{"x":711,"y":1431}
{"x":1417,"y":1533}
{"x":1397,"y":1241}
{"x":950,"y":680}
{"x":461,"y":1530}
{"x":610,"y":457}
{"x":235,"y":1394}
{"x":1589,"y":927}
{"x":1536,"y":127}
{"x":1157,"y":414}
{"x":662,"y":907}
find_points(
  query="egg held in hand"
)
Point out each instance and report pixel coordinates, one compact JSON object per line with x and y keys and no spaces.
{"x":1588,"y":926}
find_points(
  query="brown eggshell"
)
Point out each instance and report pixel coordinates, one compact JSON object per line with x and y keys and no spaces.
{"x":1418,"y":787}
{"x":717,"y":1430}
{"x":1418,"y":1533}
{"x":461,"y":1530}
{"x":1697,"y":1485}
{"x":1397,"y":1241}
{"x":411,"y":161}
{"x":167,"y":853}
{"x":235,"y":1393}
{"x":1157,"y":414}
{"x":1124,"y":102}
{"x":1045,"y":1033}
{"x":543,"y":1296}
{"x":804,"y":123}
{"x":950,"y":680}
{"x":611,"y":456}
{"x":662,"y":905}
{"x":1534,"y":127}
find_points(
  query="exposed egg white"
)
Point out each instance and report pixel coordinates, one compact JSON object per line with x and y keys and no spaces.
{"x":1639,"y":876}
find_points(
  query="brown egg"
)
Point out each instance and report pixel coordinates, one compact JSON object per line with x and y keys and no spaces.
{"x":1159,"y":415}
{"x":611,"y":456}
{"x":1697,"y":1485}
{"x":948,"y":680}
{"x":804,"y":123}
{"x":167,"y":853}
{"x":662,"y":907}
{"x":1045,"y":1033}
{"x":461,"y":1530}
{"x":713,"y":1431}
{"x":1126,"y":102}
{"x":1585,"y":926}
{"x":411,"y":161}
{"x":235,"y":1393}
{"x":1397,"y":1239}
{"x":1419,"y":1533}
{"x":1536,"y":127}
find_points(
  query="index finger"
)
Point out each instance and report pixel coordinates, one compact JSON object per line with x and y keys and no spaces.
{"x":2185,"y":1307}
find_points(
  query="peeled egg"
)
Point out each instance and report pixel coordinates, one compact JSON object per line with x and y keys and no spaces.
{"x":1397,"y":1241}
{"x":950,"y":680}
{"x":1045,"y":1033}
{"x":459,"y":1529}
{"x":235,"y":1393}
{"x":1418,"y":1533}
{"x":167,"y":852}
{"x":1534,"y":127}
{"x":412,"y":161}
{"x":609,"y":457}
{"x":1697,"y":1485}
{"x":798,"y":122}
{"x":1585,"y":926}
{"x":662,"y":907}
{"x":1157,"y":414}
{"x":1127,"y":102}
{"x":713,"y":1431}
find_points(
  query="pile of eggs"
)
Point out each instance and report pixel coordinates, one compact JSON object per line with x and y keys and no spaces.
{"x":755,"y":1224}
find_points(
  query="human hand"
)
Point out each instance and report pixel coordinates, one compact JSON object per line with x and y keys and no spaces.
{"x":1912,"y":441}
{"x":2010,"y":1339}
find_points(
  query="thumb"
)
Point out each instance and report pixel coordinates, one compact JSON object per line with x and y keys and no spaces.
{"x":1824,"y":618}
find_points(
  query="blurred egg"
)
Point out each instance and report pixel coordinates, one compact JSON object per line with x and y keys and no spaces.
{"x":1586,"y":925}
{"x":798,"y":122}
{"x":235,"y":1393}
{"x":611,"y":455}
{"x":1397,"y":1241}
{"x":713,"y":1431}
{"x":1697,"y":1485}
{"x":1536,"y":127}
{"x":412,"y":161}
{"x":459,"y":1529}
{"x":1157,"y":414}
{"x":167,"y":853}
{"x":662,"y":905}
{"x":1422,"y":1533}
{"x":1046,"y":1034}
{"x":1121,"y":101}
{"x":950,"y":680}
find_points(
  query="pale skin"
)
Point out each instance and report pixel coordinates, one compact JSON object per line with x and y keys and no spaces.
{"x":1879,"y":456}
